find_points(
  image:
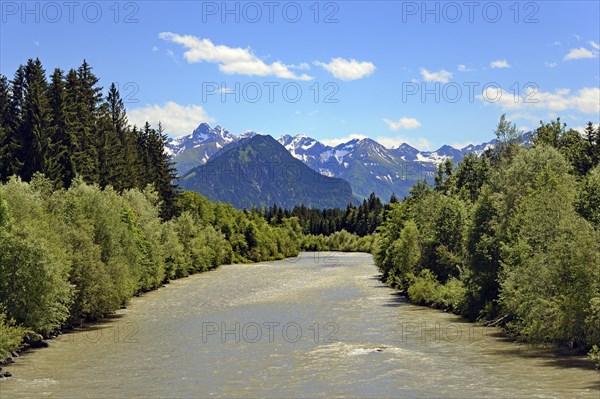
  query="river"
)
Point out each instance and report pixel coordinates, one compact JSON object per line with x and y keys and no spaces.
{"x":321,"y":325}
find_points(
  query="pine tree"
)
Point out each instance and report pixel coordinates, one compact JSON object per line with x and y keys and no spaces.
{"x":166,"y":174}
{"x":88,"y":97}
{"x":35,"y":138}
{"x":15,"y":121}
{"x":126,"y":175}
{"x":5,"y":130}
{"x":110,"y":154}
{"x":62,"y":168}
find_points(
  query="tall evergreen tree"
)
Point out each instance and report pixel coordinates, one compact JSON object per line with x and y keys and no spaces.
{"x":62,"y":169}
{"x":34,"y":138}
{"x":5,"y":129}
{"x":88,"y":97}
{"x":15,"y":120}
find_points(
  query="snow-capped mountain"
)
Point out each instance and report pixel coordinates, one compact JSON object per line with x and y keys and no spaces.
{"x":197,"y":148}
{"x":367,"y":165}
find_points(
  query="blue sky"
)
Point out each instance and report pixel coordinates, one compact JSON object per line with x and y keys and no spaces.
{"x":351,"y":69}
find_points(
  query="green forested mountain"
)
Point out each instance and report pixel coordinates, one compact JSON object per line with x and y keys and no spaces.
{"x":258,"y":171}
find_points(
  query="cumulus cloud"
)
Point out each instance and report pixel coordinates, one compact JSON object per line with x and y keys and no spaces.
{"x":402,"y":123}
{"x":578,"y":54}
{"x":586,"y":100}
{"x":176,"y":119}
{"x":464,"y":68}
{"x":339,"y":140}
{"x":441,"y":76}
{"x":594,"y":45}
{"x":419,"y":143}
{"x":550,"y":64}
{"x":348,"y":69}
{"x":231,"y":60}
{"x":499,"y":64}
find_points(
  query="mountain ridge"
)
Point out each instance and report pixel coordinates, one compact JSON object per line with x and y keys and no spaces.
{"x":259,"y":171}
{"x":366,"y":164}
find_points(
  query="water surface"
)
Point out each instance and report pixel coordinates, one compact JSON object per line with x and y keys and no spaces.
{"x":321,"y":325}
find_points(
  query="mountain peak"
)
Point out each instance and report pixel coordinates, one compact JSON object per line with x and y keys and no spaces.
{"x":259,"y":171}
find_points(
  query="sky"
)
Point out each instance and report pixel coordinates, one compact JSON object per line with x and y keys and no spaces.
{"x":425,"y":73}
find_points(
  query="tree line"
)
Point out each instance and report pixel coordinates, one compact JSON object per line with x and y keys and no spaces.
{"x":511,"y":237}
{"x":65,"y":127}
{"x":362,"y":220}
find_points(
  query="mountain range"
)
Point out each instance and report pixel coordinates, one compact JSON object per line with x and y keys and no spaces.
{"x":259,"y":171}
{"x":367,"y":165}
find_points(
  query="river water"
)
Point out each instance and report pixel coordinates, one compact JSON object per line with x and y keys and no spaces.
{"x":321,"y":325}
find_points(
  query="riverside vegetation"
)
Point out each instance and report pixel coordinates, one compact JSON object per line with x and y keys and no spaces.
{"x":90,"y":216}
{"x":510,"y":237}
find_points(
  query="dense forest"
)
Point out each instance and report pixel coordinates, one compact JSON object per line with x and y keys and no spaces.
{"x":510,"y":238}
{"x":362,"y":220}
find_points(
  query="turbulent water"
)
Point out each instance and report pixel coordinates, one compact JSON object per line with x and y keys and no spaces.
{"x":321,"y":325}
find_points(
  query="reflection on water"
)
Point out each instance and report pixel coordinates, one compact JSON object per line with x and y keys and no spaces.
{"x":318,"y":326}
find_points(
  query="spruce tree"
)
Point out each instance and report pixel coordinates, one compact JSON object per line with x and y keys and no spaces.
{"x":35,"y":138}
{"x":5,"y":130}
{"x":62,"y":168}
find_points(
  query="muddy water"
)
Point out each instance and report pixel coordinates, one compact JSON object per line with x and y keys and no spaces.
{"x":318,"y":326}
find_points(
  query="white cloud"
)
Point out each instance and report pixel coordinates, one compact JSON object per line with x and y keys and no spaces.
{"x":581,"y":129}
{"x":441,"y":76}
{"x":499,"y":64}
{"x":550,"y":64}
{"x":302,"y":66}
{"x":557,"y":43}
{"x":577,"y":37}
{"x":176,"y":119}
{"x":586,"y":100}
{"x":594,"y":45}
{"x":231,"y":60}
{"x":402,"y":123}
{"x":419,"y":143}
{"x":579,"y":53}
{"x":464,"y":68}
{"x":336,"y":141}
{"x":154,"y":49}
{"x":348,"y":69}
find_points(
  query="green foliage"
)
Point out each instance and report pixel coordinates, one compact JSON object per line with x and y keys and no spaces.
{"x":511,"y":236}
{"x":594,"y":354}
{"x":10,"y":336}
{"x":33,"y":262}
{"x":338,"y":241}
{"x":588,"y":202}
{"x":78,"y":254}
